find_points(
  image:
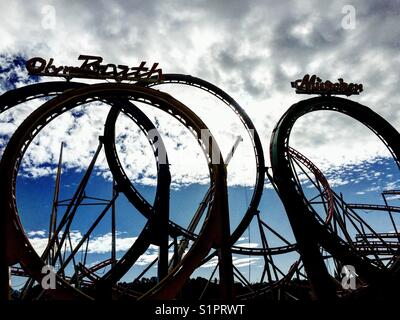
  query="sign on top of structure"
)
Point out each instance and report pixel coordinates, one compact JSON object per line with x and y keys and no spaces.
{"x":314,"y":85}
{"x":92,"y":68}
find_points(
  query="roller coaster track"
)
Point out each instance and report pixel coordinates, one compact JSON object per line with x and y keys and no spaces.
{"x":300,"y":213}
{"x":373,"y":207}
{"x":42,"y":115}
{"x":311,"y":231}
{"x":43,"y":90}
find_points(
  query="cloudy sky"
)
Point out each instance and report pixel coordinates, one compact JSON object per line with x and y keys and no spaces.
{"x":251,"y":49}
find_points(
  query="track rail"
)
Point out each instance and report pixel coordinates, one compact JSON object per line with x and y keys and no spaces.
{"x":301,"y":215}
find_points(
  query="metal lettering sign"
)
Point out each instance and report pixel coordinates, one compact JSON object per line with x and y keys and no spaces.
{"x":92,"y":68}
{"x":314,"y":85}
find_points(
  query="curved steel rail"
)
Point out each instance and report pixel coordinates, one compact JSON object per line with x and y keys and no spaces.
{"x":373,"y":207}
{"x":30,"y":92}
{"x":20,"y":141}
{"x":250,"y":128}
{"x":40,"y":90}
{"x":264,"y":251}
{"x":328,"y":195}
{"x":301,"y":214}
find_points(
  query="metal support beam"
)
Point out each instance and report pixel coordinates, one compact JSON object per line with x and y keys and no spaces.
{"x":54,"y":209}
{"x":113,"y":227}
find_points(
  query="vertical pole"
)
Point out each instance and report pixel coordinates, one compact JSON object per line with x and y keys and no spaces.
{"x":249,"y":233}
{"x":113,"y":229}
{"x":224,"y":250}
{"x":53,"y":216}
{"x":264,"y":244}
{"x":176,"y":256}
{"x":4,"y":270}
{"x":344,"y":210}
{"x":162,"y":216}
{"x":200,"y":210}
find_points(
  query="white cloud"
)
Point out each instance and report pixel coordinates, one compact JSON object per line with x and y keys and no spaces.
{"x":39,"y":233}
{"x":238,"y":262}
{"x":252,"y":50}
{"x":99,"y":244}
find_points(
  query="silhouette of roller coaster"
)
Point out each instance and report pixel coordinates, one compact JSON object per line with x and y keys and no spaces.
{"x":327,"y":230}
